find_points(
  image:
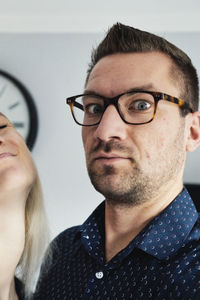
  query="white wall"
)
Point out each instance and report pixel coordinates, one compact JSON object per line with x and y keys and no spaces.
{"x":53,"y":66}
{"x":96,"y":16}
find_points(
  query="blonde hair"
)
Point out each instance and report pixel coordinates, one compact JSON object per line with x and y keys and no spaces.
{"x":36,"y":238}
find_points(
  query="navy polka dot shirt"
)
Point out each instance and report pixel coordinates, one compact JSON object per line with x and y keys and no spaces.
{"x":162,"y":262}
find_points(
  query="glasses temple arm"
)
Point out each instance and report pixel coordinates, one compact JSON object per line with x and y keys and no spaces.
{"x":76,"y":104}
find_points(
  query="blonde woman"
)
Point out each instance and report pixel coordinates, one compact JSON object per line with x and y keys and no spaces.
{"x":23,"y":230}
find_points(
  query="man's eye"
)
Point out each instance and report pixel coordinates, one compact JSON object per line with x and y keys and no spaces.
{"x":140,"y":105}
{"x":93,"y":109}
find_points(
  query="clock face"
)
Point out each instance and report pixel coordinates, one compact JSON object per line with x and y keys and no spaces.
{"x":18,"y":106}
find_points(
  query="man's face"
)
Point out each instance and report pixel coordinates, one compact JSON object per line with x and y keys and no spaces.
{"x":130,"y":163}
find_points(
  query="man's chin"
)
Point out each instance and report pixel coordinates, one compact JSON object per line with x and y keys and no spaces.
{"x":104,"y":172}
{"x":118,"y":197}
{"x":109,"y":186}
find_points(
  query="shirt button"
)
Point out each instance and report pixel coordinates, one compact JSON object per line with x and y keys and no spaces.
{"x":99,"y":275}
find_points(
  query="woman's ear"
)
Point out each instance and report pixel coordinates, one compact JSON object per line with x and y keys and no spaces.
{"x":193,"y":139}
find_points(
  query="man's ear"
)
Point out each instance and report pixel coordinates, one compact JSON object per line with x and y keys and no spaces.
{"x":193,"y":139}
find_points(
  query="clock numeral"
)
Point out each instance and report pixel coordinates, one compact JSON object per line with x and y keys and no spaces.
{"x":18,"y":124}
{"x":13,"y":105}
{"x":3,"y":90}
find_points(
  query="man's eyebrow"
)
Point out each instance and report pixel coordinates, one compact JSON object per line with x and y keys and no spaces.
{"x":147,"y":87}
{"x":90,"y":92}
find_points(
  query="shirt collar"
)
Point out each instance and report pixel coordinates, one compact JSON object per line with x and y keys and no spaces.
{"x":167,"y":232}
{"x":161,"y":238}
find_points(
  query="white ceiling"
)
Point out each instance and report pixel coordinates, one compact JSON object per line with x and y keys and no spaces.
{"x":98,"y":15}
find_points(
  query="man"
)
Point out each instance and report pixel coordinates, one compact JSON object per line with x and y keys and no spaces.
{"x":139,"y":117}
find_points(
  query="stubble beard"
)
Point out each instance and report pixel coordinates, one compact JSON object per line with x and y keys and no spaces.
{"x":122,"y":188}
{"x":133,"y":186}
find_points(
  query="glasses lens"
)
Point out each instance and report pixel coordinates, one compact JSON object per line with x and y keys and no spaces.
{"x":137,"y":107}
{"x":88,"y":109}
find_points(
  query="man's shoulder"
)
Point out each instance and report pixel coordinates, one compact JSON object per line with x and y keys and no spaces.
{"x":68,"y":233}
{"x":66,"y":237}
{"x":63,"y":246}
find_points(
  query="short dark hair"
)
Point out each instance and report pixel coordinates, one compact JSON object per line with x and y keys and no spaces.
{"x":125,"y":39}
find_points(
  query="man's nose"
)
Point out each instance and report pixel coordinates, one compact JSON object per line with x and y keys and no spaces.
{"x":111,"y":126}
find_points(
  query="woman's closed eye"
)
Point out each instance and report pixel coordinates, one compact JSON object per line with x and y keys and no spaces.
{"x":3,"y":126}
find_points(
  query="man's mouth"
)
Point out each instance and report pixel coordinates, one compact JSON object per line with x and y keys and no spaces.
{"x":108,"y":158}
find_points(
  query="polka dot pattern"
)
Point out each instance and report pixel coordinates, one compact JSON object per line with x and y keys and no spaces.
{"x":162,"y":262}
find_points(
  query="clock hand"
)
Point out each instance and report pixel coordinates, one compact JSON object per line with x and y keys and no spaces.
{"x":13,"y":105}
{"x":18,"y":124}
{"x":3,"y":90}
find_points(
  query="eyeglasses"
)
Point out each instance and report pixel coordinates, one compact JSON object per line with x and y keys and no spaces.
{"x":135,"y":107}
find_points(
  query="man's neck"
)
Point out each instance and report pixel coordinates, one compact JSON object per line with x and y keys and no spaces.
{"x":123,"y":224}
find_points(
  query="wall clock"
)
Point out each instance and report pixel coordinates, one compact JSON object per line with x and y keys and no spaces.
{"x":18,"y":106}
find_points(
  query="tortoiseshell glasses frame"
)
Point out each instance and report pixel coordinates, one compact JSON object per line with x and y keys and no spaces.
{"x":135,"y":107}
